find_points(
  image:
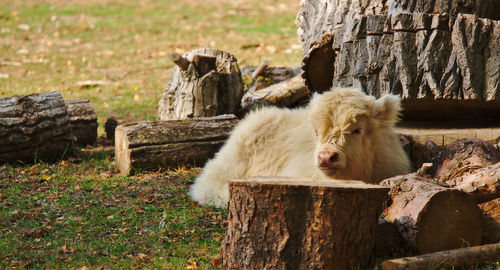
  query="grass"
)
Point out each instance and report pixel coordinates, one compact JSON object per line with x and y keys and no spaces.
{"x":78,"y":212}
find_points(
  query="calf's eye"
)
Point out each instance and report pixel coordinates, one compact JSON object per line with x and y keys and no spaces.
{"x":315,"y":132}
{"x":357,"y":131}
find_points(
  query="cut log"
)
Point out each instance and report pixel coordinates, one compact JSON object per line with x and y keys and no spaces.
{"x":464,"y":156}
{"x":112,"y":123}
{"x":287,"y":223}
{"x":283,"y":94}
{"x":34,"y":127}
{"x":463,"y":258}
{"x":442,"y":57}
{"x":210,"y":85}
{"x":491,"y":221}
{"x":146,"y":145}
{"x":83,"y":121}
{"x":430,"y":217}
{"x":388,"y":241}
{"x":482,"y":184}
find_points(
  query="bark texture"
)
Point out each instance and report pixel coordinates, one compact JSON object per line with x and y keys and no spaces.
{"x":210,"y":85}
{"x":464,"y":258}
{"x":440,"y":56}
{"x":491,"y":221}
{"x":430,"y":217}
{"x":148,"y":145}
{"x":112,"y":123}
{"x":83,"y":121}
{"x":286,"y":223}
{"x":34,"y":127}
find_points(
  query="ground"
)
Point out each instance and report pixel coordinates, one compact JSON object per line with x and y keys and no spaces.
{"x":78,"y":212}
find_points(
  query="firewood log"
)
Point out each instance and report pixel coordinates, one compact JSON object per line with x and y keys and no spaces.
{"x":112,"y":123}
{"x":431,"y":217}
{"x":491,"y":221}
{"x":288,"y":223}
{"x":463,"y":258}
{"x":83,"y":121}
{"x":146,"y":145}
{"x":34,"y":127}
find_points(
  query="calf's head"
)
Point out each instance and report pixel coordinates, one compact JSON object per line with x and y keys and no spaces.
{"x":351,"y":128}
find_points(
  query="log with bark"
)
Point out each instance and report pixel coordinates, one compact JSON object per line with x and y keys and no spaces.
{"x":205,"y":82}
{"x":146,"y":145}
{"x":283,"y":94}
{"x":34,"y":127}
{"x":83,"y":121}
{"x":288,"y":223}
{"x":431,"y":217}
{"x":111,"y":124}
{"x":491,"y":221}
{"x":463,"y":258}
{"x":442,"y":57}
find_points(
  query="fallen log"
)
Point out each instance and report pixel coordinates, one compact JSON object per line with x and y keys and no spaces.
{"x":83,"y":121}
{"x":34,"y":127}
{"x":482,"y":184}
{"x":491,"y":221}
{"x":283,"y":94}
{"x":431,"y":217}
{"x":388,"y":241}
{"x":288,"y":223}
{"x":205,"y":82}
{"x":463,"y":258}
{"x":146,"y":145}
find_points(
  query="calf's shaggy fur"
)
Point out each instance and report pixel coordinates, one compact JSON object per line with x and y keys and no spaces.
{"x":343,"y":134}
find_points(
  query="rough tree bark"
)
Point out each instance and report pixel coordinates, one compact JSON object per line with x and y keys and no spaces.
{"x":287,"y":223}
{"x":430,"y":217}
{"x":83,"y":121}
{"x":147,"y":145}
{"x":442,"y":57}
{"x":204,"y":82}
{"x":34,"y":127}
{"x":112,"y":123}
{"x":491,"y":221}
{"x":463,"y":258}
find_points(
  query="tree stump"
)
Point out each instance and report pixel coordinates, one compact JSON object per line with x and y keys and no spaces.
{"x":34,"y":127}
{"x":204,"y":82}
{"x":430,"y":217}
{"x":146,"y":145}
{"x":287,"y":223}
{"x":83,"y":121}
{"x":442,"y":57}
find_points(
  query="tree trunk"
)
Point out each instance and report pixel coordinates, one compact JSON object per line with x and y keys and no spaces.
{"x":34,"y":127}
{"x":491,"y":221}
{"x":205,"y":82}
{"x":431,"y":217}
{"x":442,"y":57}
{"x":148,"y":145}
{"x":287,"y":223}
{"x":482,"y":184}
{"x":83,"y":121}
{"x":463,"y":258}
{"x":283,"y":94}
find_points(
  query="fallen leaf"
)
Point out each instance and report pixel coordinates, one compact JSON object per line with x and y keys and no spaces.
{"x":191,"y":264}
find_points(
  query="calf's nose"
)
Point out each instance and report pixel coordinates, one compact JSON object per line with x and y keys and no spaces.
{"x":327,"y":159}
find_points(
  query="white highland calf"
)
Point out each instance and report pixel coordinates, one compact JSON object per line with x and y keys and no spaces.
{"x":343,"y":134}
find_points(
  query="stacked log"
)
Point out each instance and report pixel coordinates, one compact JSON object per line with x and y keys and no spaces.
{"x":441,"y":57}
{"x":287,"y":223}
{"x":147,"y":145}
{"x":34,"y":127}
{"x":83,"y":121}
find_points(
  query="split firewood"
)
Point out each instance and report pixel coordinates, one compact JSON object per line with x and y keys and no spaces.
{"x":431,"y":217}
{"x":491,"y":221}
{"x":428,"y":52}
{"x":283,"y":94}
{"x":288,"y":223}
{"x":112,"y":123}
{"x":463,"y":258}
{"x":146,"y":145}
{"x":83,"y":121}
{"x":34,"y":127}
{"x":205,"y":82}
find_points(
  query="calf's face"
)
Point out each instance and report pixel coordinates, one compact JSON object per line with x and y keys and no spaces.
{"x":345,"y":124}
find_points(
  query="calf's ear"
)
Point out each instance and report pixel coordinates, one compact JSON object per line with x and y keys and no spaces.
{"x":388,"y":108}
